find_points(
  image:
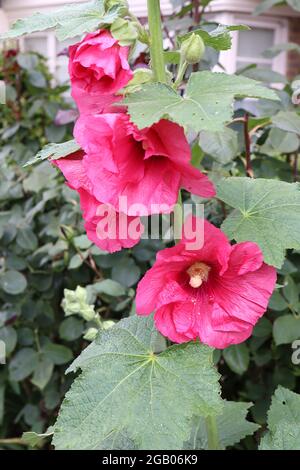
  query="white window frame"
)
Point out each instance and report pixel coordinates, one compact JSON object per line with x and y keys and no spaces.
{"x":228,"y":59}
{"x":51,"y":55}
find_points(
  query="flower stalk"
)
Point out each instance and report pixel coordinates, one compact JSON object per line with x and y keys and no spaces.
{"x":212,"y":433}
{"x":156,"y":41}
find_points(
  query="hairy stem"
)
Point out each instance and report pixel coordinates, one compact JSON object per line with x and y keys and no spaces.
{"x":156,"y":41}
{"x":249,"y":169}
{"x":212,"y":433}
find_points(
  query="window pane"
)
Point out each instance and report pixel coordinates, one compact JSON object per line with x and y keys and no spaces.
{"x":62,"y":59}
{"x":253,"y":43}
{"x":38,"y":44}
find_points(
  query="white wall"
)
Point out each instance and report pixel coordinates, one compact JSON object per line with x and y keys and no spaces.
{"x":20,"y":8}
{"x":3,"y":21}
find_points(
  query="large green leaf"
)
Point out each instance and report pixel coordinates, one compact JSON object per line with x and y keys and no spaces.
{"x":218,"y":39}
{"x":206,"y":105}
{"x":69,"y":21}
{"x":287,"y":121}
{"x":222,"y":146}
{"x":286,"y":329}
{"x":54,"y":151}
{"x":163,"y":391}
{"x":232,"y":426}
{"x":13,"y":282}
{"x":266,"y":212}
{"x":237,"y":358}
{"x":283,"y":422}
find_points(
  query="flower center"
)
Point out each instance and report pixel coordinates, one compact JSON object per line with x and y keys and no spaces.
{"x":198,"y":273}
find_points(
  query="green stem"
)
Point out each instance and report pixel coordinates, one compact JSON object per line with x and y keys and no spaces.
{"x":156,"y":41}
{"x":180,"y":75}
{"x":212,"y":433}
{"x":13,"y":441}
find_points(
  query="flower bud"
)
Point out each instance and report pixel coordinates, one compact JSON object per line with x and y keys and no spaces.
{"x":122,"y":4}
{"x":192,"y":49}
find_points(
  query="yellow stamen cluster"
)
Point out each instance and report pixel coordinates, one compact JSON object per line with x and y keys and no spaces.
{"x":198,"y":273}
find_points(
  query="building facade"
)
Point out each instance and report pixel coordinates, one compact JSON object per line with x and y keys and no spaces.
{"x":276,"y":26}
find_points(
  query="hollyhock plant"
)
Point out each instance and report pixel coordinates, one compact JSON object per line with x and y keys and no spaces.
{"x":216,"y":293}
{"x":147,"y":167}
{"x":98,"y":68}
{"x":107,"y":228}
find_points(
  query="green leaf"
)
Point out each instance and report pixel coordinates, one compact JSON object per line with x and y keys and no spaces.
{"x":76,"y":261}
{"x":2,"y":397}
{"x":282,"y":141}
{"x":263,"y":75}
{"x":13,"y":282}
{"x":108,"y":287}
{"x":267,"y":212}
{"x":232,"y":426}
{"x":54,"y":152}
{"x":43,"y":371}
{"x":27,"y":239}
{"x":265,"y":5}
{"x":283,"y":422}
{"x":71,"y":329}
{"x":126,"y":272}
{"x":294,"y":4}
{"x":33,"y":439}
{"x":287,"y":121}
{"x":237,"y":358}
{"x":163,"y":391}
{"x":285,"y":47}
{"x":286,"y":329}
{"x":82,"y":242}
{"x":218,"y":39}
{"x":57,"y":353}
{"x":9,"y":335}
{"x":69,"y":22}
{"x":23,"y":364}
{"x":222,"y":146}
{"x":206,"y":105}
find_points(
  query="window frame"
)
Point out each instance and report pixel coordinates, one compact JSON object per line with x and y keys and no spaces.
{"x":280,"y":26}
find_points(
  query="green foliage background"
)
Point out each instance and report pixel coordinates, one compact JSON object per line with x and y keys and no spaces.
{"x":57,"y":290}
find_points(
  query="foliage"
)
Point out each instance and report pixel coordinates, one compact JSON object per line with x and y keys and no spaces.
{"x":250,"y":150}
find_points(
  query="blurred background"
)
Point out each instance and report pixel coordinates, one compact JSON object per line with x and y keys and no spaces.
{"x":56,"y":288}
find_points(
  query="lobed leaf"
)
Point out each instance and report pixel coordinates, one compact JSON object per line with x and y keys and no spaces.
{"x":69,"y":22}
{"x":163,"y":391}
{"x":267,"y":212}
{"x":232,"y":427}
{"x":54,"y":152}
{"x":206,"y":105}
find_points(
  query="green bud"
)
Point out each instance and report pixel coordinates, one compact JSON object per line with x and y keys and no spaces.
{"x":126,"y":32}
{"x":122,"y":4}
{"x":192,"y":49}
{"x":91,"y":334}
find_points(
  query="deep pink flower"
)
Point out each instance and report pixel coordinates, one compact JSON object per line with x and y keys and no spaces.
{"x":107,"y":228}
{"x":216,"y":293}
{"x":98,"y":68}
{"x":146,"y":166}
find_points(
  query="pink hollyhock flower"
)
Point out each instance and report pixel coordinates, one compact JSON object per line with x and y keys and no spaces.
{"x":98,"y":68}
{"x":147,"y":166}
{"x":216,"y":293}
{"x":107,"y":228}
